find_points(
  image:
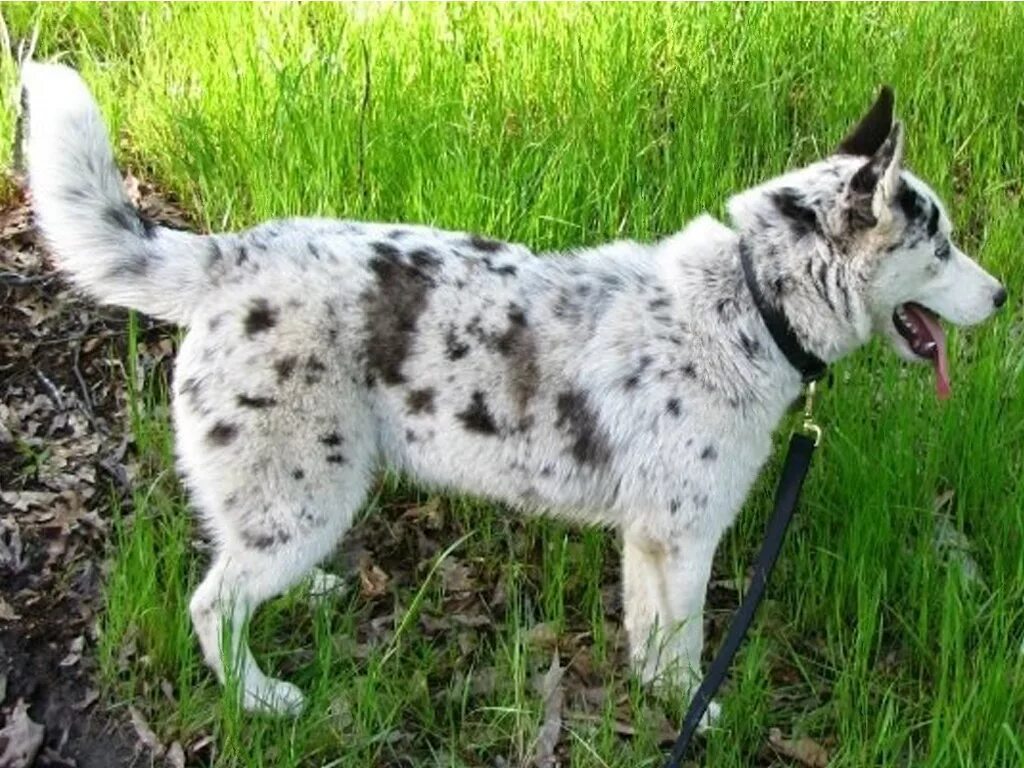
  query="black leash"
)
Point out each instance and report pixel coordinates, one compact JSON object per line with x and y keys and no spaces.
{"x":798,"y":461}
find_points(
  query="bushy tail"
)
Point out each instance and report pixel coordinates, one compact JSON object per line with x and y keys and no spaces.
{"x":97,"y":236}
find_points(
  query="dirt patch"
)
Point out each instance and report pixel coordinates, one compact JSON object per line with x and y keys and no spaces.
{"x":64,"y":458}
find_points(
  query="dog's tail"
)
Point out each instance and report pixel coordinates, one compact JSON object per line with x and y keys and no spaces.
{"x":96,"y":235}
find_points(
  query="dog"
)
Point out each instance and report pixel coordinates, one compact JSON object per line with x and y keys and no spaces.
{"x":629,"y":385}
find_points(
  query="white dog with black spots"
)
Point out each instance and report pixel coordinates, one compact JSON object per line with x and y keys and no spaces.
{"x":630,"y":385}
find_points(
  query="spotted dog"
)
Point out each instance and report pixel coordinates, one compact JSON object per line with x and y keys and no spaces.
{"x":630,"y":385}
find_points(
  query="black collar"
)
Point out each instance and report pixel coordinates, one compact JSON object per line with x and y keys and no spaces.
{"x":810,"y":366}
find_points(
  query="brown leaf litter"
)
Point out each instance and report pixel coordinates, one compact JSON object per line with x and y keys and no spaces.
{"x":64,"y":455}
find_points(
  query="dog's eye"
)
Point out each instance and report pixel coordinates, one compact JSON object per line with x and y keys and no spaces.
{"x":942,"y":251}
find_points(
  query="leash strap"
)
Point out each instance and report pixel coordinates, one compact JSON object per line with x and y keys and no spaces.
{"x":798,"y":461}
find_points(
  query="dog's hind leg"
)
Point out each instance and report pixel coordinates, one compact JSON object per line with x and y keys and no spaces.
{"x":253,"y":568}
{"x":277,"y":506}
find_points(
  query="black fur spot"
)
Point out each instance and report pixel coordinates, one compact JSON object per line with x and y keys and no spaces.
{"x":710,"y":453}
{"x":298,"y":474}
{"x":126,"y":216}
{"x":700,"y":500}
{"x":313,"y":251}
{"x":477,"y":416}
{"x":673,"y":506}
{"x":751,"y":347}
{"x":214,"y":253}
{"x":285,"y":367}
{"x":505,"y":270}
{"x":222,"y":434}
{"x":247,"y":401}
{"x":393,"y":308}
{"x":262,"y":317}
{"x":590,"y":446}
{"x":335,"y":458}
{"x":519,"y":345}
{"x":263,"y":540}
{"x":672,"y":406}
{"x":933,"y":221}
{"x":726,"y":308}
{"x":242,"y":256}
{"x":192,"y":390}
{"x":634,"y":378}
{"x":397,"y":234}
{"x":485,"y":244}
{"x":314,"y":370}
{"x":331,"y":439}
{"x":453,"y":347}
{"x":425,"y":258}
{"x":420,"y":400}
{"x":943,"y":251}
{"x":803,"y":220}
{"x":658,"y":304}
{"x":911,"y":203}
{"x":387,"y":251}
{"x":410,"y":436}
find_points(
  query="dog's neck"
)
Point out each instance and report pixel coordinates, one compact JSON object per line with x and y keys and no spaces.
{"x":819,"y":295}
{"x":814,"y":286}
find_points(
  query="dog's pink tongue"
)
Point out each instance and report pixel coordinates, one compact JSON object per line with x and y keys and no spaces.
{"x":940,"y":360}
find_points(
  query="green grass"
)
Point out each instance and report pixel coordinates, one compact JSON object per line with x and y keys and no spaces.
{"x":562,"y":126}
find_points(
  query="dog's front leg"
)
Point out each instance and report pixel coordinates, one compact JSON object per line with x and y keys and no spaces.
{"x":644,"y":601}
{"x":686,"y":569}
{"x":664,"y":589}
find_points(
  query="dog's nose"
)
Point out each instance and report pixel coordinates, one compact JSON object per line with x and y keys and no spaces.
{"x":1000,"y":298}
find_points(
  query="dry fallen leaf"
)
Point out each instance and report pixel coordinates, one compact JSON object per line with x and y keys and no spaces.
{"x":175,"y":756}
{"x":484,"y":681}
{"x":199,"y":745}
{"x":554,"y":697}
{"x":456,"y":577}
{"x":804,"y":750}
{"x":74,"y":652}
{"x":21,"y":738}
{"x":373,"y":581}
{"x":145,"y":733}
{"x":7,"y":613}
{"x":542,"y":636}
{"x":90,"y":698}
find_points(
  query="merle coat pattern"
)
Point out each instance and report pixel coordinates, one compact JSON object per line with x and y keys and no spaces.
{"x":629,"y":385}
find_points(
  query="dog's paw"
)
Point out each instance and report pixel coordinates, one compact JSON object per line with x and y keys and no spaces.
{"x":273,"y":697}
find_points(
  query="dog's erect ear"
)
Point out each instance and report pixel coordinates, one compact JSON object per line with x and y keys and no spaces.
{"x":873,"y":187}
{"x":872,"y":130}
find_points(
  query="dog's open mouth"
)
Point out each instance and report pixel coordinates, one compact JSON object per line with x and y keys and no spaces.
{"x":926,"y":339}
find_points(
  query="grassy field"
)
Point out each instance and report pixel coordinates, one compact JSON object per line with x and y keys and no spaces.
{"x":561,"y":126}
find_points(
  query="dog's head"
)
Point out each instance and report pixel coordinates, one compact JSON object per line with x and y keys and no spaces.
{"x":875,"y":244}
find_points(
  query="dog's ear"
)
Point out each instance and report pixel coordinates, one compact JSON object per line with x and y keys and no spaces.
{"x":871,"y":132}
{"x":873,"y":187}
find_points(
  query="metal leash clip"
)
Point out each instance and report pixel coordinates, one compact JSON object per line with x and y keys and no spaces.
{"x":809,"y":426}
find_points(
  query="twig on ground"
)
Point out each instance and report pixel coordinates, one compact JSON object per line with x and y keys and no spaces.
{"x":51,"y":389}
{"x":17,"y":281}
